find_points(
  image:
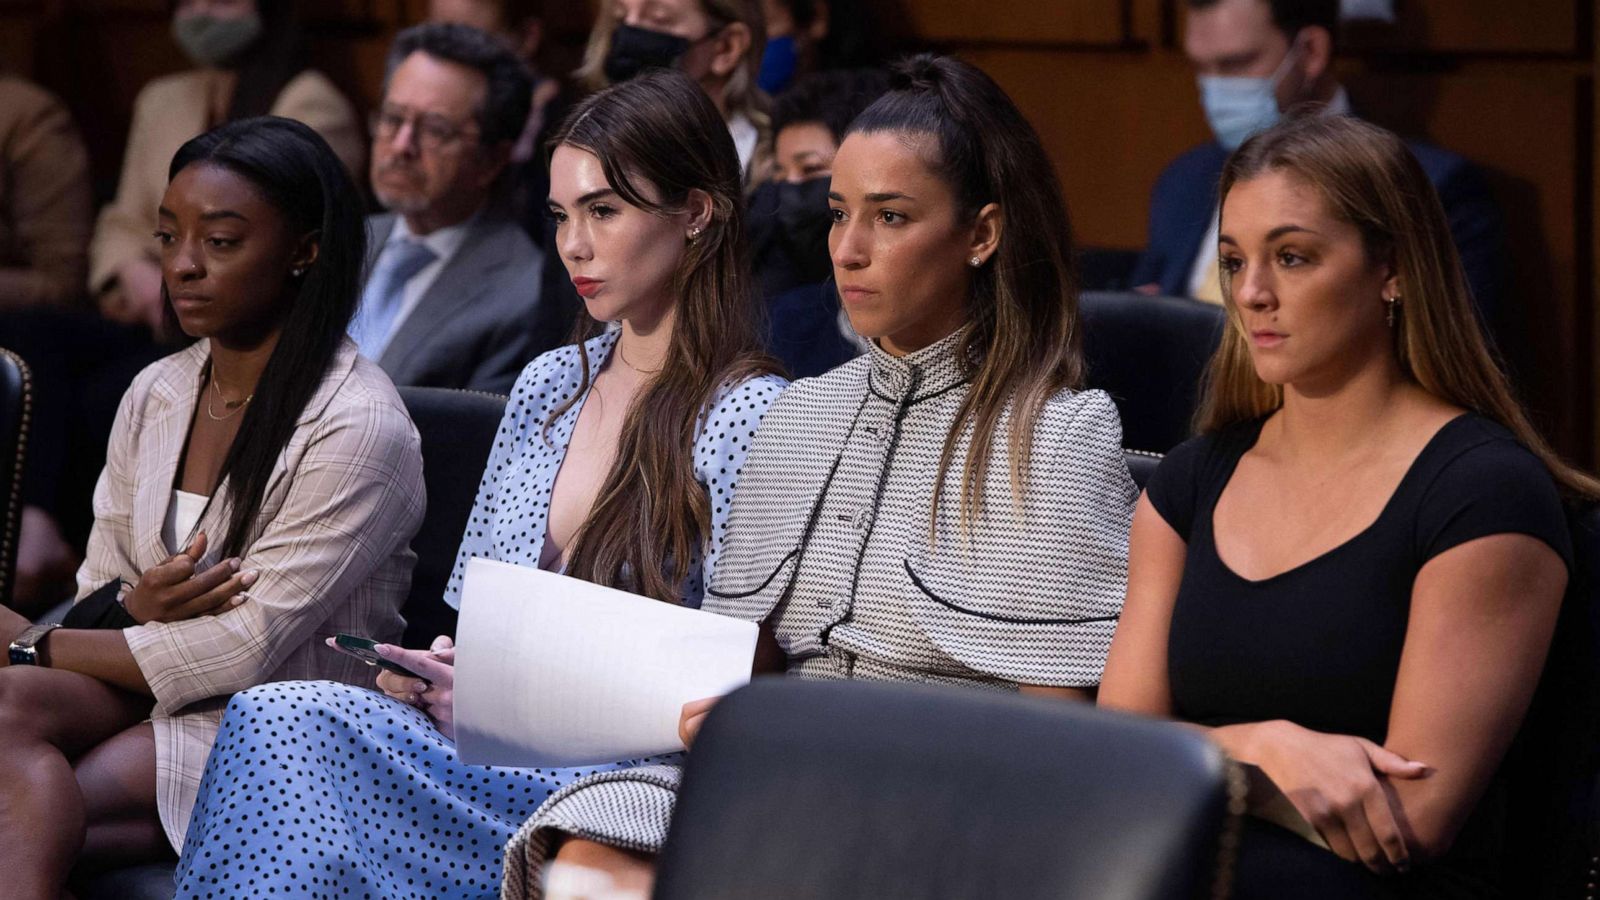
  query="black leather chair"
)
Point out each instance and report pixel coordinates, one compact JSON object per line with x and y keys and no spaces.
{"x":1554,"y":766}
{"x":1141,"y":465}
{"x":457,"y":430}
{"x":16,"y":414}
{"x":1150,"y":354}
{"x":801,"y":790}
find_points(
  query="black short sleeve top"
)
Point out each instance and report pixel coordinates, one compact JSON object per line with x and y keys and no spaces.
{"x":1320,"y":644}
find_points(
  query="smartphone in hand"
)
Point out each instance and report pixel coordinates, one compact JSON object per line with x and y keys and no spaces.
{"x":365,"y":649}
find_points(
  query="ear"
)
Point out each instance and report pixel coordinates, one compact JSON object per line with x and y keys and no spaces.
{"x":697,"y":210}
{"x":305,"y":252}
{"x":1316,"y":52}
{"x":986,"y":228}
{"x":732,"y":45}
{"x":1391,"y":285}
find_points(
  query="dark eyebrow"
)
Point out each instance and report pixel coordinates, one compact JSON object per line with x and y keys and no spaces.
{"x":891,"y":195}
{"x":206,"y":217}
{"x":596,"y":195}
{"x":835,"y":195}
{"x":1272,"y":235}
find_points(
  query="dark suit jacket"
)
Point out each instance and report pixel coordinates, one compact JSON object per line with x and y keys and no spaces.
{"x":1185,"y":196}
{"x":481,"y":320}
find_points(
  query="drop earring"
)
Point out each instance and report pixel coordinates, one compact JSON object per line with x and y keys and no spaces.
{"x":1391,"y":309}
{"x":694,"y":233}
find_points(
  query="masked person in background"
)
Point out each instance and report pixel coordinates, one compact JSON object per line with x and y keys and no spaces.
{"x":790,"y":221}
{"x":715,"y":42}
{"x":1255,"y":62}
{"x":248,"y":63}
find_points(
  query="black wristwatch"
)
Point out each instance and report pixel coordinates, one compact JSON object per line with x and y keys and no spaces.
{"x":24,"y":651}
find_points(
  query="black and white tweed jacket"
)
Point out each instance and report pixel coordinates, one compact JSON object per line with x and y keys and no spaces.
{"x":837,"y":537}
{"x":837,"y":540}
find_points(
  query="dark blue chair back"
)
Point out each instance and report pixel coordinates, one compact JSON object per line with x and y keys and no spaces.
{"x":1150,"y":354}
{"x":805,"y":790}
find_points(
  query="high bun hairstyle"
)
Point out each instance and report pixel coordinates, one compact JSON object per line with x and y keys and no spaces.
{"x":297,"y":172}
{"x":1021,"y":344}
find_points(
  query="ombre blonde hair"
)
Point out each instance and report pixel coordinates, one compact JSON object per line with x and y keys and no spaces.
{"x":1368,"y":178}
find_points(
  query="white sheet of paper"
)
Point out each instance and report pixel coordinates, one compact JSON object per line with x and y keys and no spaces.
{"x":553,"y":671}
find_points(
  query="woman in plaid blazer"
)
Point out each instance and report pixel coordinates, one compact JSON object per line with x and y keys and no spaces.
{"x":261,"y":491}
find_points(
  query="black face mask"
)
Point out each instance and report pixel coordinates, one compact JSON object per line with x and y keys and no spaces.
{"x":805,"y":220}
{"x":635,"y":49}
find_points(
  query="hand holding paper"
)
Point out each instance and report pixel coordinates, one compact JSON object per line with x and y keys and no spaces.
{"x":553,"y":671}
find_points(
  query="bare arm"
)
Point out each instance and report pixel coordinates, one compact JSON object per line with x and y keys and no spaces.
{"x":1482,"y":616}
{"x":1136,"y":669}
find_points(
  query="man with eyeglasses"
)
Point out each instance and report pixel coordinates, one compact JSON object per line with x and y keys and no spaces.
{"x":453,"y":296}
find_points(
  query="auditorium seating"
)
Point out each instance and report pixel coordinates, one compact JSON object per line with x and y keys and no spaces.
{"x":16,"y":412}
{"x":801,"y":790}
{"x":457,"y":429}
{"x":1149,"y":354}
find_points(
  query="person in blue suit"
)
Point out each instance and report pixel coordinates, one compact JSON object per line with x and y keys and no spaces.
{"x":1255,"y":61}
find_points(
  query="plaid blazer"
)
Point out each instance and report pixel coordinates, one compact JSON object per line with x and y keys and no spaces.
{"x":332,"y":545}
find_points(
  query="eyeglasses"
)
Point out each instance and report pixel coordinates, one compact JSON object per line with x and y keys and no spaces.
{"x":431,"y":132}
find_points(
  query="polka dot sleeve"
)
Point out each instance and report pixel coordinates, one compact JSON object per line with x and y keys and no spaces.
{"x":526,"y":410}
{"x":720,"y":450}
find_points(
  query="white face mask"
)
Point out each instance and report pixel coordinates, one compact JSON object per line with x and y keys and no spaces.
{"x":1238,"y":106}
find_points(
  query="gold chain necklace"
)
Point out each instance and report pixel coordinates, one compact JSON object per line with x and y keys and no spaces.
{"x":235,"y":405}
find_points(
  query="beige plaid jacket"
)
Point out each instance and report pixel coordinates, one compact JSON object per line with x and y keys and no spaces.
{"x":332,"y":546}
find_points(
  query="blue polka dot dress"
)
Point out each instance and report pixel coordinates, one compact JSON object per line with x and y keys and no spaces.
{"x":317,"y":789}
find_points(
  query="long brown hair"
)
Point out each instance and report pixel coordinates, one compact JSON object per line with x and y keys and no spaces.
{"x":1369,"y":179}
{"x":651,"y":518}
{"x":1022,"y":343}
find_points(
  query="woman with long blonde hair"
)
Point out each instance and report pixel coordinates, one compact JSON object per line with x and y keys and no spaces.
{"x":1351,"y":578}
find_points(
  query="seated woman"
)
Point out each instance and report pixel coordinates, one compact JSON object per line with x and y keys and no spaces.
{"x":267,"y":457}
{"x":614,"y":463}
{"x":947,"y":508}
{"x":1351,"y":578}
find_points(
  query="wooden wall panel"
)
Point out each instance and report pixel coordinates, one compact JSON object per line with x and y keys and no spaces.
{"x":1111,"y":123}
{"x":1454,"y":26}
{"x":1086,"y":22}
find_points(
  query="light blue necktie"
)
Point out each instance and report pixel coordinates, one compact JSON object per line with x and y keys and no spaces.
{"x":386,"y":294}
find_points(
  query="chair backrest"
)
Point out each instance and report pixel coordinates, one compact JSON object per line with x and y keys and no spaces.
{"x":1149,"y":354}
{"x":1553,"y":768}
{"x":801,"y":789}
{"x":1141,"y":465}
{"x":16,"y":414}
{"x":457,"y":430}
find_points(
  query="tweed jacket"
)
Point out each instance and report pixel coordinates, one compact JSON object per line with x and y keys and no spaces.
{"x":170,"y":111}
{"x":838,"y":539}
{"x":332,"y":546}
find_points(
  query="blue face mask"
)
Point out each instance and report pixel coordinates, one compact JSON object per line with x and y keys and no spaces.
{"x":778,"y":63}
{"x":1237,"y":107}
